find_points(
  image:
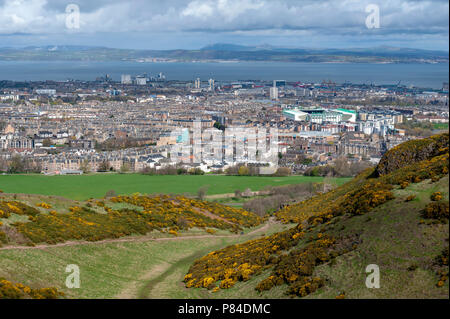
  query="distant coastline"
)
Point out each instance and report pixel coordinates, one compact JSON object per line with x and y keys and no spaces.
{"x":226,"y":53}
{"x":418,"y":74}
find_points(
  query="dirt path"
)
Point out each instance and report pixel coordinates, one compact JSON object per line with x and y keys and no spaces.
{"x":160,"y":276}
{"x":132,"y":239}
{"x":150,"y":285}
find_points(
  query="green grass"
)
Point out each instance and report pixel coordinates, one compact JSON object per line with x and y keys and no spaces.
{"x":440,"y":126}
{"x":391,"y":234}
{"x":117,"y":270}
{"x":392,"y":238}
{"x":96,"y":185}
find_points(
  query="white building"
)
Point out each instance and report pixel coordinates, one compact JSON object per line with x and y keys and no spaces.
{"x":274,"y":93}
{"x":295,"y":114}
{"x":141,"y":80}
{"x":197,"y":83}
{"x":46,"y":91}
{"x":126,"y":79}
{"x":211,"y":84}
{"x":348,"y":115}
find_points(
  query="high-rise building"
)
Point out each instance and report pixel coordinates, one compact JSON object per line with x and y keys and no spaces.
{"x":126,"y":79}
{"x":211,"y":85}
{"x":161,"y":76}
{"x":274,"y":93}
{"x":279,"y":83}
{"x":197,"y":83}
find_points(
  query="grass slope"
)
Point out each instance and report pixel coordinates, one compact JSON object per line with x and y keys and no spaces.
{"x":117,"y":270}
{"x":394,"y":239}
{"x":370,"y":220}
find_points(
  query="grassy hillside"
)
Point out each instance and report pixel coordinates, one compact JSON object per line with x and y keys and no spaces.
{"x":398,"y":220}
{"x":96,"y":185}
{"x":138,"y":268}
{"x":394,"y":216}
{"x":117,"y":217}
{"x":137,"y":235}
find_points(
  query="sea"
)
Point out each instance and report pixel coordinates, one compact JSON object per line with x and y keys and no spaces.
{"x":420,"y":75}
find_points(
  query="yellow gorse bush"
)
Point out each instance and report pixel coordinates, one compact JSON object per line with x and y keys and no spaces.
{"x":162,"y":212}
{"x":10,"y":290}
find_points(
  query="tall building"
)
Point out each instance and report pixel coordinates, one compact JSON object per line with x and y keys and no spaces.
{"x":211,"y":85}
{"x":126,"y":79}
{"x":161,"y":76}
{"x":279,"y":83}
{"x":274,"y":93}
{"x":197,"y":83}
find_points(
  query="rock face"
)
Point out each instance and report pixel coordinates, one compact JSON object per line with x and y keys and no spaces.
{"x":412,"y":152}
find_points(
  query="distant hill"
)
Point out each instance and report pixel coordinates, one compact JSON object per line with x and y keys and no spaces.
{"x":225,"y":52}
{"x":396,"y":219}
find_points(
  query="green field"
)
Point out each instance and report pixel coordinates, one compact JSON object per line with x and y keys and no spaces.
{"x":440,"y":126}
{"x":82,"y":187}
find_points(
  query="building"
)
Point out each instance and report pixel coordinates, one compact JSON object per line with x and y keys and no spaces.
{"x":348,"y":115}
{"x":14,"y":141}
{"x":328,"y":116}
{"x":279,"y":83}
{"x":320,"y":115}
{"x":126,"y":79}
{"x":295,"y":114}
{"x":141,"y":80}
{"x":46,"y":92}
{"x":197,"y":83}
{"x":211,"y":85}
{"x":274,"y":93}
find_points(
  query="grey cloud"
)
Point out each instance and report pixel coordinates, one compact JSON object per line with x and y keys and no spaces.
{"x":249,"y":17}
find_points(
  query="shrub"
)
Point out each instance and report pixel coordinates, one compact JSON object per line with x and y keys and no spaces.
{"x":243,"y":171}
{"x":110,"y":193}
{"x":283,"y":171}
{"x":44,"y":205}
{"x":159,"y":213}
{"x":436,"y":196}
{"x":436,"y":210}
{"x":10,"y":290}
{"x":14,"y":207}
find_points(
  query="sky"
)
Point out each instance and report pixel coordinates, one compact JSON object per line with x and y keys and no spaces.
{"x":193,"y":24}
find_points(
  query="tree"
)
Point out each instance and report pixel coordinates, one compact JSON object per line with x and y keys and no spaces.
{"x":283,"y":171}
{"x":124,"y":168}
{"x":201,"y":193}
{"x":104,"y":166}
{"x":16,"y":165}
{"x":341,"y":166}
{"x":85,"y":167}
{"x":47,"y":142}
{"x":243,"y":171}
